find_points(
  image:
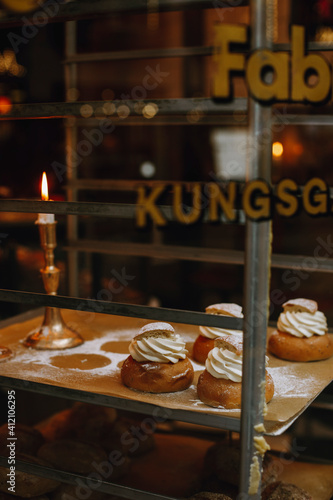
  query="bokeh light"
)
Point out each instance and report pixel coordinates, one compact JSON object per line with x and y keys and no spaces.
{"x":277,"y":149}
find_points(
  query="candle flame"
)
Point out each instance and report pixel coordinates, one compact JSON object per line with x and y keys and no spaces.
{"x":45,"y":189}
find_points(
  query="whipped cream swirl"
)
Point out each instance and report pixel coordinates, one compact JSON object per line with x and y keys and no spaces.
{"x":302,"y":324}
{"x":211,"y":332}
{"x":222,"y":363}
{"x":158,"y":349}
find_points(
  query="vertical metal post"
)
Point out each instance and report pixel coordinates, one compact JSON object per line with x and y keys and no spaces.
{"x":257,"y":270}
{"x":71,"y":144}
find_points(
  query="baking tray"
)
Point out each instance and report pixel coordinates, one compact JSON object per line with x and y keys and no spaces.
{"x":91,"y":372}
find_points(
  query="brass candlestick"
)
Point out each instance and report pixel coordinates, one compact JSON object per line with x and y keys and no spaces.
{"x":54,"y":333}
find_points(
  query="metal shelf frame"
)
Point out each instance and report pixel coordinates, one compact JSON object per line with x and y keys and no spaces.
{"x":100,"y":486}
{"x":257,"y":268}
{"x":87,"y":9}
{"x":257,"y":258}
{"x":216,"y":421}
{"x":119,"y":309}
{"x":166,"y":107}
{"x":213,"y":255}
{"x":173,"y":111}
{"x":202,"y":51}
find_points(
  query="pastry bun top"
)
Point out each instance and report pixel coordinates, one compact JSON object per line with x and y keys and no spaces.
{"x":225,"y":310}
{"x":301,"y":305}
{"x":155,"y":330}
{"x":231,"y":343}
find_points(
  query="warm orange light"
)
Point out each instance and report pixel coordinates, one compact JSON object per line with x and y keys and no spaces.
{"x":277,"y":149}
{"x":298,"y":149}
{"x":5,"y":105}
{"x":45,"y":189}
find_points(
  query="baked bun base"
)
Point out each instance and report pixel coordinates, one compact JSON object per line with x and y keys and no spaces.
{"x":201,"y":348}
{"x":155,"y":377}
{"x":220,"y":392}
{"x":279,"y":490}
{"x":287,"y":346}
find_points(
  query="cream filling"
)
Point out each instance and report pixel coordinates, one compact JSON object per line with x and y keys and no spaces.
{"x":302,"y":324}
{"x":255,"y":476}
{"x":211,"y":332}
{"x":160,"y":350}
{"x":222,"y":363}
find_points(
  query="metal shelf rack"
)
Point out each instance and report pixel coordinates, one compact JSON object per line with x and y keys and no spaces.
{"x":257,"y":257}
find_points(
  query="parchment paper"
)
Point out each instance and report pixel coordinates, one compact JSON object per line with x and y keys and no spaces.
{"x":95,"y":366}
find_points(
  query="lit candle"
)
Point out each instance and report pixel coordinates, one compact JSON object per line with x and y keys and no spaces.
{"x":45,"y":218}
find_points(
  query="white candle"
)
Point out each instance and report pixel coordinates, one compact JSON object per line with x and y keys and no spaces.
{"x":45,"y":218}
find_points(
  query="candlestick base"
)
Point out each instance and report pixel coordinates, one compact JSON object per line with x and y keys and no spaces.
{"x":54,"y":333}
{"x":5,"y":353}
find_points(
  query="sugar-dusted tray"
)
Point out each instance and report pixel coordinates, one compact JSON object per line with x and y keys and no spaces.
{"x":91,"y":372}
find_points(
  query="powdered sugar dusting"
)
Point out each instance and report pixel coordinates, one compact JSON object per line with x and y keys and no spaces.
{"x":157,"y":326}
{"x":44,"y":358}
{"x":291,"y":385}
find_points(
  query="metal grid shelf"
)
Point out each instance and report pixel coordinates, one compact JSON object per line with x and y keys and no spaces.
{"x":73,"y":208}
{"x":67,"y":477}
{"x":217,"y":421}
{"x":166,"y":107}
{"x":258,"y":235}
{"x":146,"y":312}
{"x":281,"y":261}
{"x":83,"y":9}
{"x":125,"y":55}
{"x":115,"y":210}
{"x":38,"y":371}
{"x":173,"y":111}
